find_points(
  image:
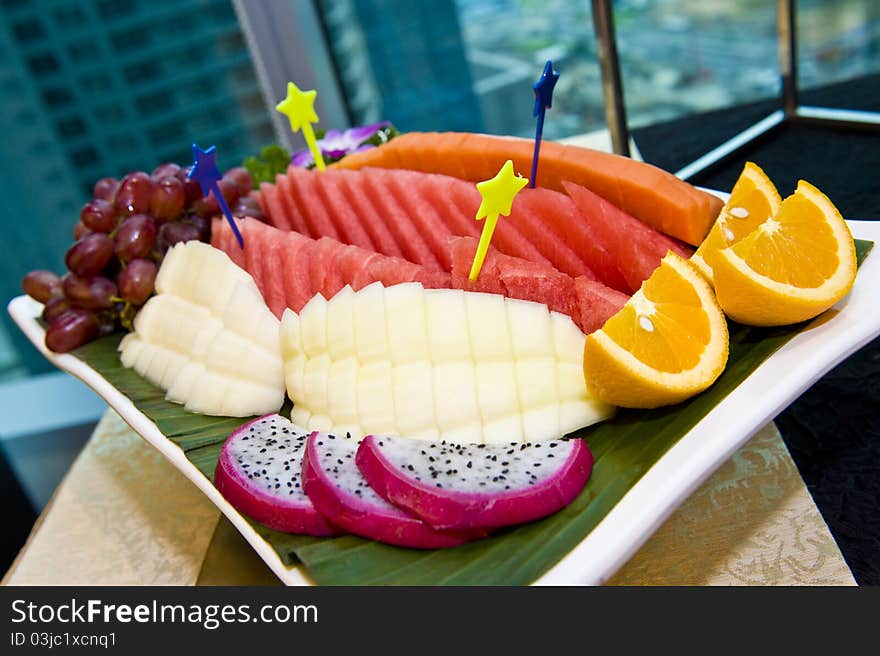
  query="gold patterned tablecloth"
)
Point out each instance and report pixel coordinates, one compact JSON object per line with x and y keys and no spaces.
{"x":124,"y":515}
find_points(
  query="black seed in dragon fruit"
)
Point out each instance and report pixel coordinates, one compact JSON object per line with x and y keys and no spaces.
{"x":260,"y":473}
{"x":339,"y":491}
{"x":473,"y":486}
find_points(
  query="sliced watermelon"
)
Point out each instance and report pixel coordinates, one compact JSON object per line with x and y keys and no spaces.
{"x":295,"y":214}
{"x":355,"y":195}
{"x":533,"y":211}
{"x":596,"y":303}
{"x":513,"y":277}
{"x":404,"y":185}
{"x":272,"y":204}
{"x":296,"y":258}
{"x":347,"y":222}
{"x":635,"y":248}
{"x":304,"y":191}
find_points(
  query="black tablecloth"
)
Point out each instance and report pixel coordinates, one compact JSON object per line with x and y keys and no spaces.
{"x":833,"y":430}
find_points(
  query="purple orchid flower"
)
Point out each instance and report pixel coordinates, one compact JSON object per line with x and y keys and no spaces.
{"x":335,"y":144}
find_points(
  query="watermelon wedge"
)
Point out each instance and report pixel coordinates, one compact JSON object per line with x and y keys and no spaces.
{"x":635,"y":248}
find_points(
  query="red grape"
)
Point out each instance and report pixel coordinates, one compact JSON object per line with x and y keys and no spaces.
{"x":136,"y":280}
{"x":230,"y":191}
{"x":206,"y":206}
{"x":80,"y":230}
{"x":165,"y":170}
{"x":134,"y":194}
{"x":246,"y":206}
{"x":135,"y":237}
{"x":202,"y":224}
{"x":55,"y":306}
{"x":98,"y":215}
{"x":242,"y":179}
{"x":71,"y":330}
{"x":41,"y":285}
{"x":192,"y":188}
{"x":173,"y":233}
{"x":89,"y":255}
{"x":92,"y":293}
{"x":168,"y":199}
{"x":105,"y":189}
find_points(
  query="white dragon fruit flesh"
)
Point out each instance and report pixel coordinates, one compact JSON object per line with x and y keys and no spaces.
{"x":260,"y":473}
{"x":475,"y":486}
{"x":340,"y":492}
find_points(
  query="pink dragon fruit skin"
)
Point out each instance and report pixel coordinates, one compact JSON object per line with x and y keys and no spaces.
{"x":338,"y":490}
{"x":259,"y":473}
{"x":468,"y":487}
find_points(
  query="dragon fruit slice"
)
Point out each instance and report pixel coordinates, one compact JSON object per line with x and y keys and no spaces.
{"x":470,"y":486}
{"x":339,"y":491}
{"x":260,"y":473}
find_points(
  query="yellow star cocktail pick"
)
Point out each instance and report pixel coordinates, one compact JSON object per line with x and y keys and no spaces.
{"x":299,"y":107}
{"x":498,"y":194}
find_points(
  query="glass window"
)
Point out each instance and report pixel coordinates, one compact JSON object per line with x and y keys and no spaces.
{"x":103,"y":88}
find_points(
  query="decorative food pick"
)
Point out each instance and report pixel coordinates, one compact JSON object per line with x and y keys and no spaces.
{"x":299,"y":107}
{"x":543,"y":97}
{"x":498,"y":194}
{"x":205,"y":172}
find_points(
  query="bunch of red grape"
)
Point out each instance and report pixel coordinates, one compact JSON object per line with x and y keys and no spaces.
{"x":121,"y":237}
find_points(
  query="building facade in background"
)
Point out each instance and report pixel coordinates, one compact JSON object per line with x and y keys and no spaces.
{"x":104,"y":87}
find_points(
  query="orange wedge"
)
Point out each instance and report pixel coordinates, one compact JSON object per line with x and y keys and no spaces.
{"x":752,"y":201}
{"x":794,"y":266}
{"x":666,"y":344}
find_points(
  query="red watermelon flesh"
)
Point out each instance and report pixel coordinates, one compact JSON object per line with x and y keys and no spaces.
{"x":393,"y":271}
{"x":321,"y":265}
{"x":273,"y":284}
{"x":533,"y":210}
{"x":635,"y":248}
{"x":295,"y":216}
{"x":437,"y":190}
{"x":506,"y":238}
{"x":355,"y":195}
{"x":404,"y":185}
{"x":363,"y":276}
{"x":347,"y":222}
{"x":513,"y":277}
{"x":596,"y":303}
{"x":574,"y":223}
{"x":304,"y":191}
{"x":406,"y":235}
{"x":270,"y":200}
{"x":296,"y":257}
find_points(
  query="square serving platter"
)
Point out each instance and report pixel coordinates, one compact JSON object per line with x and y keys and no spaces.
{"x":777,"y":382}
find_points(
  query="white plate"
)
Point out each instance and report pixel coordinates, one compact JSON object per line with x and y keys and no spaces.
{"x":765,"y":393}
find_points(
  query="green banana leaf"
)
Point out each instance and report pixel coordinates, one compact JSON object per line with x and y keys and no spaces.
{"x":624,"y":449}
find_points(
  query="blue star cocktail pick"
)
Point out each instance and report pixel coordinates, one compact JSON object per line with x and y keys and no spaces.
{"x":204,"y":171}
{"x":543,"y":98}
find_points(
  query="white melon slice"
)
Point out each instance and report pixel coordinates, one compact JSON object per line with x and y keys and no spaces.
{"x":455,"y":397}
{"x":414,"y":399}
{"x":291,"y":338}
{"x":531,"y":330}
{"x":407,"y":332}
{"x":313,"y":326}
{"x":375,"y":398}
{"x":536,"y":382}
{"x":342,"y":403}
{"x":448,"y":336}
{"x":487,"y":325}
{"x":207,"y":337}
{"x":436,"y":364}
{"x":315,"y":377}
{"x":294,"y":377}
{"x":371,"y":334}
{"x":541,"y":423}
{"x":340,"y":324}
{"x":568,"y":339}
{"x":300,"y":416}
